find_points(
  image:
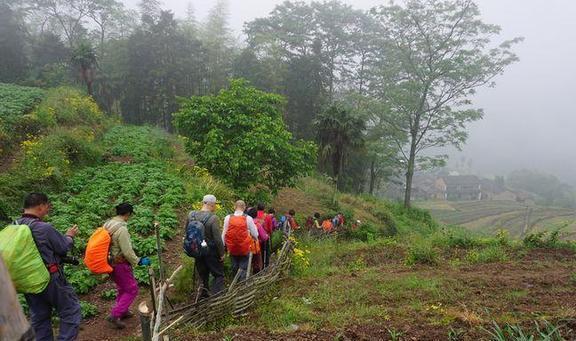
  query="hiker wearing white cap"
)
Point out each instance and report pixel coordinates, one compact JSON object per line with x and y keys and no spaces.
{"x":209,"y":260}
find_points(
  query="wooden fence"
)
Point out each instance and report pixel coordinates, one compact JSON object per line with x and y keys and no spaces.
{"x":233,"y":301}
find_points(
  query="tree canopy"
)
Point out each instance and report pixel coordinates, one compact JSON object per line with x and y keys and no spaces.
{"x":239,"y":135}
{"x":436,"y":54}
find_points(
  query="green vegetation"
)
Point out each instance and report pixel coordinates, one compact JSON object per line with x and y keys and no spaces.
{"x":545,"y":331}
{"x":18,"y":100}
{"x":489,"y":216}
{"x":52,"y":141}
{"x":88,"y":309}
{"x":240,"y":137}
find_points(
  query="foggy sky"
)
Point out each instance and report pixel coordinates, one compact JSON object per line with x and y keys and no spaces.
{"x":529,"y":116}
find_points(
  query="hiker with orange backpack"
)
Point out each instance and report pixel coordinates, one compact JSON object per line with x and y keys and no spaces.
{"x":58,"y":294}
{"x":123,"y":258}
{"x":238,"y":233}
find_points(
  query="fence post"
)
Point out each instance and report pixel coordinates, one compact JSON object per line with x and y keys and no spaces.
{"x":159,"y":249}
{"x":145,"y":316}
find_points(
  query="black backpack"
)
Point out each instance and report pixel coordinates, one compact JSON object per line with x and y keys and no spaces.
{"x":195,"y":244}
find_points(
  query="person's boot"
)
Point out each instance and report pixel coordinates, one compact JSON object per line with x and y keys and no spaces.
{"x":115,"y":323}
{"x":127,"y":315}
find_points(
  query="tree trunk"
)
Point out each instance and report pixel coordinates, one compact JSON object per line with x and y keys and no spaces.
{"x":410,"y":173}
{"x":372,"y":177}
{"x":13,"y":323}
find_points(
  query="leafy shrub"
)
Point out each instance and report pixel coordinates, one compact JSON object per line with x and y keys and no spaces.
{"x":240,"y":137}
{"x":490,"y":254}
{"x":276,"y":240}
{"x":80,"y":278}
{"x":88,"y":309}
{"x":365,"y":232}
{"x":108,"y":295}
{"x":70,"y":107}
{"x":421,"y":251}
{"x":544,"y":239}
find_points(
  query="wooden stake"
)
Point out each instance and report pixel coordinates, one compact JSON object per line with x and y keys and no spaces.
{"x":145,"y":317}
{"x":159,"y":249}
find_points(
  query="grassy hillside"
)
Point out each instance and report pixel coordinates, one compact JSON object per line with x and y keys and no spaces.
{"x":491,"y":216}
{"x":416,"y":281}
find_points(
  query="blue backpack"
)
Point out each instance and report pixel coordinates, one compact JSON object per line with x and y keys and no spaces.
{"x":194,"y":243}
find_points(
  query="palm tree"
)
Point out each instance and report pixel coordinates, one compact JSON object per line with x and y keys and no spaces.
{"x":84,"y":58}
{"x":338,"y":132}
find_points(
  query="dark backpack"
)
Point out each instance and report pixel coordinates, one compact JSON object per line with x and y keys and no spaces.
{"x":195,"y":232}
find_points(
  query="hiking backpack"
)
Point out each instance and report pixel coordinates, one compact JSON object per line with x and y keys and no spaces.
{"x":237,"y":238}
{"x":195,"y":244}
{"x":97,"y":251}
{"x":25,"y":265}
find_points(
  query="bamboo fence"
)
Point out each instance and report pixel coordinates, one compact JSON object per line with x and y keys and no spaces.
{"x":233,"y":301}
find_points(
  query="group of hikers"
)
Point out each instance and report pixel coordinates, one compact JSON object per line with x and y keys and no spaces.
{"x":326,"y":224}
{"x":245,"y":236}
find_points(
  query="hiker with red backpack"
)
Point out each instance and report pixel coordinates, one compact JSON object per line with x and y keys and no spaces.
{"x":258,"y":245}
{"x":238,"y":233}
{"x":203,"y":242}
{"x":123,"y":259}
{"x":269,"y":226}
{"x":58,"y":293}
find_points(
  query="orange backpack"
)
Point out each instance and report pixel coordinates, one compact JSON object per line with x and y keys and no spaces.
{"x":97,"y":249}
{"x":327,"y":225}
{"x":237,"y":238}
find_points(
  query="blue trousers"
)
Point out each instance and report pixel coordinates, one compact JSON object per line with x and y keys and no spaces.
{"x":240,"y":263}
{"x":58,"y":295}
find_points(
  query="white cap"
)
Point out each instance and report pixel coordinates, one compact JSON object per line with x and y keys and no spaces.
{"x":209,"y":199}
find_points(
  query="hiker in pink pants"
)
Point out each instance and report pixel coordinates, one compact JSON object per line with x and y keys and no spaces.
{"x":123,"y":259}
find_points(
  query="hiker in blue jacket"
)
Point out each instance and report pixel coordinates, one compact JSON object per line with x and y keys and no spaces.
{"x":58,"y":295}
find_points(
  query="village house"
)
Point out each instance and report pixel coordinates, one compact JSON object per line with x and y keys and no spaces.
{"x":459,"y":187}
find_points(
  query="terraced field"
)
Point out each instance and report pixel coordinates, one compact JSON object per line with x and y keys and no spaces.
{"x":491,"y":216}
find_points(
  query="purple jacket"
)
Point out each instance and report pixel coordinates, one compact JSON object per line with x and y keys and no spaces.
{"x":51,"y":244}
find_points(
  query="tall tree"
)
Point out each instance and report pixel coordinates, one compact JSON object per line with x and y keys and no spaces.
{"x":339,"y":132}
{"x":239,"y":135}
{"x":13,"y":61}
{"x":84,"y":58}
{"x":67,"y":17}
{"x":315,"y":42}
{"x":217,"y":39}
{"x":435,"y":55}
{"x":103,"y":14}
{"x":162,"y":63}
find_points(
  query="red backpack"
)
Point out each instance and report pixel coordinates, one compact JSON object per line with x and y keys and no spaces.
{"x":268,"y":223}
{"x":237,"y":238}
